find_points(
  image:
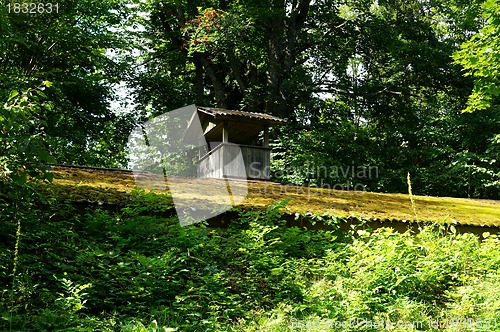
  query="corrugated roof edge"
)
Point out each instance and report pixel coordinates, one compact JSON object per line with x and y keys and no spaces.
{"x":221,"y":111}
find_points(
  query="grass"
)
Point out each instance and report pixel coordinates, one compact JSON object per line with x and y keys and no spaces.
{"x":127,"y":270}
{"x":113,"y":188}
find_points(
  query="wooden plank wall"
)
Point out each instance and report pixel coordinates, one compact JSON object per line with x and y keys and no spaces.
{"x":224,"y":161}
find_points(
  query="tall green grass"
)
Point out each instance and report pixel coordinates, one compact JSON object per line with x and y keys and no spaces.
{"x":137,"y":270}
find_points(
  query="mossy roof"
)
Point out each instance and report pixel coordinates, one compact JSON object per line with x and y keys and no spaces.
{"x":103,"y":186}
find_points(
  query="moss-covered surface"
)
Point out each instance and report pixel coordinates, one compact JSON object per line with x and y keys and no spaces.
{"x":90,"y":186}
{"x":82,"y":185}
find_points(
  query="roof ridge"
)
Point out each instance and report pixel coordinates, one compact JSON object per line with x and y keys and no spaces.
{"x":223,"y":111}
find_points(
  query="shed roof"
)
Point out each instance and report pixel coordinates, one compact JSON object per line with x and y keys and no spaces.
{"x":230,"y":114}
{"x":243,"y":127}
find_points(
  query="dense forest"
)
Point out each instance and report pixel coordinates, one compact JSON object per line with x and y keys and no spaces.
{"x":401,"y":87}
{"x":362,"y":83}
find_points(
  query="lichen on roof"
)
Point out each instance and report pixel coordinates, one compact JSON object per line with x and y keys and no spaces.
{"x":83,"y":185}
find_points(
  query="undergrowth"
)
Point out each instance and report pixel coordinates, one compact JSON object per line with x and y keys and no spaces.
{"x":137,"y":269}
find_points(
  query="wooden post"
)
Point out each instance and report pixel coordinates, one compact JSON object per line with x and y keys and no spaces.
{"x":266,"y":136}
{"x":225,"y":132}
{"x":225,"y":139}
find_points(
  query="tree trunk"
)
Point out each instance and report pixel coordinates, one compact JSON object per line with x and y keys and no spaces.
{"x":217,"y":82}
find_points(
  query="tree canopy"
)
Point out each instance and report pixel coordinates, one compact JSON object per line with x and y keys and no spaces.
{"x":362,"y":83}
{"x":480,"y":57}
{"x":69,"y":48}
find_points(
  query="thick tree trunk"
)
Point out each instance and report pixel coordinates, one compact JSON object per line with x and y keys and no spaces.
{"x":275,"y":73}
{"x":199,"y":81}
{"x":283,"y":39}
{"x":217,"y":82}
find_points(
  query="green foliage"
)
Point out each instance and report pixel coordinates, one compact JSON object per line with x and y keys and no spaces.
{"x":386,"y":277}
{"x":362,"y":83}
{"x":139,"y":270}
{"x":23,"y":152}
{"x":69,"y":49}
{"x":480,"y":58}
{"x":385,"y":107}
{"x":231,"y":54}
{"x":448,"y":154}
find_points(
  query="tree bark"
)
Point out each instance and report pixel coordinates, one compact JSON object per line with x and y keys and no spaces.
{"x":283,"y":37}
{"x":217,"y":82}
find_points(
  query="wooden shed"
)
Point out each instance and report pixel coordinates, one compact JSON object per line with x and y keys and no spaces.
{"x":229,"y":132}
